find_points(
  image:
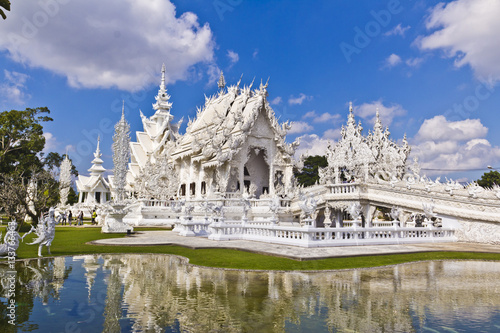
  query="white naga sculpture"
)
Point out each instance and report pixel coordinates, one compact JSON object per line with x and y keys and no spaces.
{"x":274,"y":207}
{"x":429,"y":214}
{"x":11,"y":240}
{"x":355,"y":211}
{"x":45,"y":231}
{"x":307,"y":204}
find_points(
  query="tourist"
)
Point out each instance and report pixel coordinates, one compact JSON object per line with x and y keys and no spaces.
{"x":94,"y":215}
{"x":70,"y":217}
{"x":63,"y":218}
{"x":80,"y":218}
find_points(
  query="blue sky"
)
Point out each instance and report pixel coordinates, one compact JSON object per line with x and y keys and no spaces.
{"x":430,"y":67}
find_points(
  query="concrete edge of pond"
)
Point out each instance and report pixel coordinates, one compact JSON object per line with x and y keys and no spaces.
{"x":153,"y":238}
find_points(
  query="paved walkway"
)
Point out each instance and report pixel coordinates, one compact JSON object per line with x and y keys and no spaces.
{"x":142,"y":238}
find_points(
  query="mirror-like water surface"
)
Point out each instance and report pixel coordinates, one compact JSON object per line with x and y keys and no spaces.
{"x":157,"y":293}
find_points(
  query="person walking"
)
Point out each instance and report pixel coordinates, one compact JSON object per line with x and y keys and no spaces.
{"x":80,"y":218}
{"x":70,"y":217}
{"x":94,"y":215}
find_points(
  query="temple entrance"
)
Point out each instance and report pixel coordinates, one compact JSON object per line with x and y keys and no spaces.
{"x":258,"y":171}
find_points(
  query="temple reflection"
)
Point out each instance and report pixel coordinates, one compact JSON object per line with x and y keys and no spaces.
{"x":155,"y":292}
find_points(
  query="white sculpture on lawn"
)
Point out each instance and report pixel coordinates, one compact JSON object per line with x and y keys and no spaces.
{"x":45,"y":231}
{"x":11,"y":240}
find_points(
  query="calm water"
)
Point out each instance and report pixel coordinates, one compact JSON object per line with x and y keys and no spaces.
{"x":156,"y":293}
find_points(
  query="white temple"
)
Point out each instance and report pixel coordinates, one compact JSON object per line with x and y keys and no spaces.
{"x":234,"y":144}
{"x":230,"y":176}
{"x":94,"y":189}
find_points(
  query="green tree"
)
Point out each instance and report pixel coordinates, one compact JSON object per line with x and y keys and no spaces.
{"x":21,"y":139}
{"x":309,"y":174}
{"x":5,"y":4}
{"x":26,"y":187}
{"x":72,"y":196}
{"x":488,"y":179}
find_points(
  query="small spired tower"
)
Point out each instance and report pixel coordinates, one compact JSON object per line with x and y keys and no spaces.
{"x":97,"y":169}
{"x":94,"y":189}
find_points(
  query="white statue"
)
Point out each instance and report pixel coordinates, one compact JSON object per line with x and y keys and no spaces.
{"x":11,"y":240}
{"x":45,"y":231}
{"x":247,"y":205}
{"x":355,"y":211}
{"x":308,"y":204}
{"x":328,"y":221}
{"x":274,"y":207}
{"x":395,"y":213}
{"x":429,"y":213}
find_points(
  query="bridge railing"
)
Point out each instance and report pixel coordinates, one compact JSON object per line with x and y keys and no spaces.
{"x":319,"y":237}
{"x":347,"y":188}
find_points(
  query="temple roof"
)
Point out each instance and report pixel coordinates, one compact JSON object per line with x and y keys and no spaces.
{"x":223,"y":124}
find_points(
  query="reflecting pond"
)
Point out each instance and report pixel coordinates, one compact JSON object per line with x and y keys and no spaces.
{"x":160,"y":293}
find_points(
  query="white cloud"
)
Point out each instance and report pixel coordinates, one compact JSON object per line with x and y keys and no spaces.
{"x":310,"y":114}
{"x":440,"y":129}
{"x":50,"y":142}
{"x":13,"y":90}
{"x":115,"y":43}
{"x":467,"y":30}
{"x":322,"y":118}
{"x":213,"y":72}
{"x":300,"y":127}
{"x":387,"y":113}
{"x":298,"y":100}
{"x":460,"y":145}
{"x":327,"y":117}
{"x":311,"y":144}
{"x":332,"y":134}
{"x":397,"y":30}
{"x":392,"y":60}
{"x":414,"y":62}
{"x":255,"y":53}
{"x":276,"y":101}
{"x":233,"y":57}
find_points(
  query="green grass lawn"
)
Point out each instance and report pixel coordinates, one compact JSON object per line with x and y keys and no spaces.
{"x":71,"y":241}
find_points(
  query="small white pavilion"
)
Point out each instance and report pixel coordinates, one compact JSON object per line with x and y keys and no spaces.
{"x":94,"y":189}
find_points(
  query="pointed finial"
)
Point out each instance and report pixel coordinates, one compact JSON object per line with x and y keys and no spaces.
{"x":97,"y":153}
{"x":123,"y":109}
{"x":222,"y":82}
{"x":350,"y":107}
{"x":162,"y":84}
{"x":377,"y":114}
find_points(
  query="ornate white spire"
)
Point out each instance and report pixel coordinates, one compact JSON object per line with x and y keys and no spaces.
{"x":64,"y":180}
{"x":377,"y":127}
{"x":121,"y":156}
{"x":97,"y":168}
{"x":162,"y":99}
{"x":350,"y":118}
{"x":222,"y":81}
